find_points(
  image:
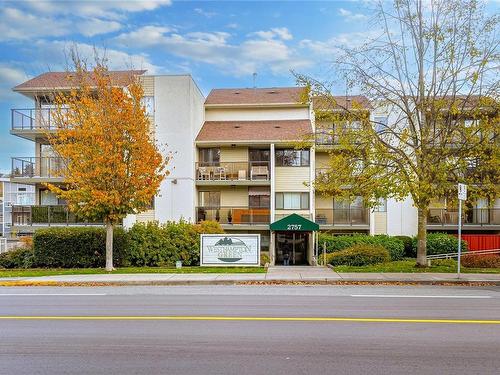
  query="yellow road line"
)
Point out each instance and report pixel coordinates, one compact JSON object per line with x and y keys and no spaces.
{"x":257,"y":318}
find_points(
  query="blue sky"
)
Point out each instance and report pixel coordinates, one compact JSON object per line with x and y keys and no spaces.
{"x":220,"y":43}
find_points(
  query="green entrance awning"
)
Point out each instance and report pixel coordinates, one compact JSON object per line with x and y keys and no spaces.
{"x":295,"y":223}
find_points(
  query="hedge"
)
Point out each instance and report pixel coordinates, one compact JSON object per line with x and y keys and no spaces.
{"x":360,"y":255}
{"x":481,"y":261}
{"x":76,"y":247}
{"x":393,"y":245}
{"x":439,"y":243}
{"x":22,"y":257}
{"x":153,"y":244}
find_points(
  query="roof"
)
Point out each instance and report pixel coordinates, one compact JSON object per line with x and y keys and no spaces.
{"x":272,"y":95}
{"x":294,"y":223}
{"x":269,"y":130}
{"x":53,"y":80}
{"x":342,"y":102}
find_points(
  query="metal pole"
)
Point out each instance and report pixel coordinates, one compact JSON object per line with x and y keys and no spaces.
{"x":324,"y":253}
{"x":459,"y":235}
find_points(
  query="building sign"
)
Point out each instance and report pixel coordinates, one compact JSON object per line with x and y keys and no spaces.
{"x":230,"y":250}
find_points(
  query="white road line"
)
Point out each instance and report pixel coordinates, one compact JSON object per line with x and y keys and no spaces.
{"x":50,"y":294}
{"x":413,"y":296}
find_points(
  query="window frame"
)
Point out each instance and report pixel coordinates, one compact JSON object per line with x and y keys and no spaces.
{"x":299,"y":157}
{"x":303,"y":198}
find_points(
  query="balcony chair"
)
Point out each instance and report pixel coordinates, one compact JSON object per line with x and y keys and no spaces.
{"x":259,"y":171}
{"x":220,"y":173}
{"x":203,"y":173}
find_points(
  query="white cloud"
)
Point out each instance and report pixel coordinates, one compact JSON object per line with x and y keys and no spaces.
{"x":232,"y":25}
{"x":205,"y":13}
{"x":261,"y":50}
{"x":55,"y":56}
{"x":10,"y":76}
{"x":350,"y":16}
{"x":277,"y":32}
{"x":102,"y":9}
{"x":16,"y":24}
{"x":95,"y":26}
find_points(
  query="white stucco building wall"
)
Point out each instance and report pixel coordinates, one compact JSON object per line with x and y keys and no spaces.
{"x":179,"y":116}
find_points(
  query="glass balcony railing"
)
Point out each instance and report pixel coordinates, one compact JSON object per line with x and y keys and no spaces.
{"x":33,"y":119}
{"x":46,"y":215}
{"x":475,"y":216}
{"x":343,"y":217}
{"x":37,"y":167}
{"x":234,"y":215}
{"x":233,"y":171}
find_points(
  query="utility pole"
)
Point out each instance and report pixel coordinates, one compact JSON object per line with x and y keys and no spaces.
{"x":254,"y":80}
{"x":462,"y":196}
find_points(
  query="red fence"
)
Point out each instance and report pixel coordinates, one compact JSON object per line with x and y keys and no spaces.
{"x":482,"y":241}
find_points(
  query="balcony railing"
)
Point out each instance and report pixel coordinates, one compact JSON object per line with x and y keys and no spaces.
{"x":33,"y":119}
{"x":234,"y":215}
{"x":343,"y":217}
{"x":476,"y":216}
{"x":37,"y":167}
{"x":46,"y":215}
{"x":234,"y":171}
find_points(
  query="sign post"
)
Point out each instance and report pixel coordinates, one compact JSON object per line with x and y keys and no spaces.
{"x":462,"y":196}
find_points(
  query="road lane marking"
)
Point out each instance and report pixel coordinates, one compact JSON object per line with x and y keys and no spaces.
{"x":257,"y":319}
{"x":50,"y":294}
{"x":414,"y":296}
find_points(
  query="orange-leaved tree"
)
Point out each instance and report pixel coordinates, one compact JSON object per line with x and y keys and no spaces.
{"x":112,"y":166}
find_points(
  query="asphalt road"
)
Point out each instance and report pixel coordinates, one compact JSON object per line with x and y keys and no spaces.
{"x":250,"y":330}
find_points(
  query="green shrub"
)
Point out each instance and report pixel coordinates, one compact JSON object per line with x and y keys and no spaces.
{"x":439,"y":243}
{"x":71,"y":247}
{"x":322,"y":257}
{"x":360,"y":255}
{"x":152,"y":244}
{"x":481,"y":261}
{"x":393,"y":245}
{"x":19,"y":258}
{"x":408,"y":245}
{"x":264,"y":258}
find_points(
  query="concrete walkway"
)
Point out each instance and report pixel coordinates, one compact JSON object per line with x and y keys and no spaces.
{"x":285,"y":274}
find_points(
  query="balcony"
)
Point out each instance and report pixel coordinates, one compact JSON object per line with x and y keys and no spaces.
{"x":234,"y":215}
{"x":29,"y":216}
{"x":37,"y":169}
{"x":340,"y":217}
{"x":32,"y":122}
{"x":478,"y":217}
{"x":233,"y":173}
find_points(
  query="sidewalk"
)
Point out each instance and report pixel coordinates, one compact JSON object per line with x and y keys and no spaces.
{"x":274,"y":274}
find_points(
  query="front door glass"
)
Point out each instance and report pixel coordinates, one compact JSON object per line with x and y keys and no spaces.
{"x":291,"y":246}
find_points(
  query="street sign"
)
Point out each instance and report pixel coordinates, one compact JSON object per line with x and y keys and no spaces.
{"x":462,"y":192}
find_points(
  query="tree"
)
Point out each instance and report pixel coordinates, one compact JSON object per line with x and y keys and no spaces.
{"x":112,"y":166}
{"x":433,"y":69}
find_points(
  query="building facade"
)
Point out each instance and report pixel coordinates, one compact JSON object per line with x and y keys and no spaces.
{"x":236,"y":160}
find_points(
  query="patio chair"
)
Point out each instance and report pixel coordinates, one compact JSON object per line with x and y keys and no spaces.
{"x":220,"y":173}
{"x":257,"y":170}
{"x":203,"y":173}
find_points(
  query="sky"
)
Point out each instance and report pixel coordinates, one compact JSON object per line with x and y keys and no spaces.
{"x":221,"y":44}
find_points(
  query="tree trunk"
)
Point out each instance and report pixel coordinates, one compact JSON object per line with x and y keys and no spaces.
{"x":422,"y":238}
{"x":109,"y":246}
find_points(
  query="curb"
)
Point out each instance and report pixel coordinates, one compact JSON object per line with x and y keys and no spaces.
{"x":250,"y":282}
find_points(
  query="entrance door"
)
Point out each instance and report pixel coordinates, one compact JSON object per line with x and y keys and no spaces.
{"x":294,"y":244}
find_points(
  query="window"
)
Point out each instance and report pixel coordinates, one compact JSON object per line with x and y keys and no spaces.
{"x":292,"y":158}
{"x":381,"y":123}
{"x":259,"y":155}
{"x":149,"y":105}
{"x":209,"y":156}
{"x":209,"y":199}
{"x":381,"y":206}
{"x":292,"y":201}
{"x":259,"y":197}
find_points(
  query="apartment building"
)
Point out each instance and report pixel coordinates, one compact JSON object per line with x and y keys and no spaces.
{"x":174,"y":105}
{"x":12,"y":195}
{"x":236,"y":161}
